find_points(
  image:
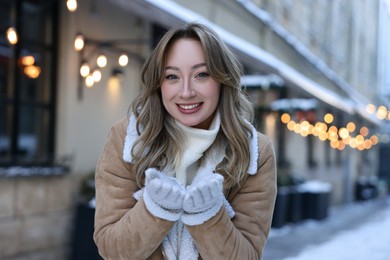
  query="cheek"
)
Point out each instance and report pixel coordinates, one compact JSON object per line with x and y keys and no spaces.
{"x":165,"y":95}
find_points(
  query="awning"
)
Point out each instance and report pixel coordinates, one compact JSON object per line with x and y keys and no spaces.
{"x":171,"y":13}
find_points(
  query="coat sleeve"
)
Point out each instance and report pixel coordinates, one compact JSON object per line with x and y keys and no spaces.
{"x":244,"y":236}
{"x":124,"y":229}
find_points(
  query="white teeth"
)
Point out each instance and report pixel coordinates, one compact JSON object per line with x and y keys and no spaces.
{"x":189,"y":106}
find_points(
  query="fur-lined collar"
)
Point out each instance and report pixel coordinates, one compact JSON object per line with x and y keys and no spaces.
{"x":132,"y":135}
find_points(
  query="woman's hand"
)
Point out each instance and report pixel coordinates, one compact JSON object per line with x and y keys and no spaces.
{"x":163,"y":195}
{"x":203,"y":199}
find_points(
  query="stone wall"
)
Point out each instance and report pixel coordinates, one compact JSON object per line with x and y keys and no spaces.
{"x":35,"y":217}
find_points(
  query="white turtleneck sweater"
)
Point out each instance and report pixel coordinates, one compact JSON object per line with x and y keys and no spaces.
{"x":196,"y":142}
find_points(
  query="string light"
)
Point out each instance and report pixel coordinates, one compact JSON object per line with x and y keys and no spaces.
{"x":97,"y":75}
{"x":101,"y":61}
{"x":338,"y":138}
{"x":328,"y":118}
{"x":123,"y":60}
{"x":32,"y":71}
{"x":84,"y":70}
{"x":27,"y":60}
{"x":12,"y":35}
{"x":381,"y":112}
{"x":89,"y":81}
{"x":71,"y":5}
{"x":79,"y":42}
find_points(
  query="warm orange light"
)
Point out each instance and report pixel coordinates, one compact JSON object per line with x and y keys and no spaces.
{"x":351,"y":127}
{"x":32,"y":71}
{"x":353,"y":143}
{"x":285,"y":118}
{"x":364,"y":131}
{"x":347,"y":140}
{"x":27,"y":60}
{"x":297,"y":128}
{"x":381,"y":113}
{"x":290,"y":125}
{"x":359,"y":139}
{"x":368,"y":144}
{"x":12,"y":36}
{"x":374,"y":139}
{"x":334,"y":144}
{"x":323,"y":136}
{"x":328,"y":118}
{"x":343,"y":132}
{"x":341,"y":146}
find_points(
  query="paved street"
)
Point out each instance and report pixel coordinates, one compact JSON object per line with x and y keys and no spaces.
{"x":360,"y":230}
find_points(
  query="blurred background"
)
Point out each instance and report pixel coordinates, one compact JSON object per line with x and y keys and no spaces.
{"x":317,"y":71}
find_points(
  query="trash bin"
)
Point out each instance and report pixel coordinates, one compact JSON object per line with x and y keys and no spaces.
{"x":294,"y":213}
{"x":279,"y":217}
{"x":315,"y":199}
{"x":366,"y":188}
{"x":83,"y":246}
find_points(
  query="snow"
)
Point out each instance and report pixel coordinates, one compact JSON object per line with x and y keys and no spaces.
{"x":369,"y":241}
{"x":294,"y":103}
{"x":263,"y":81}
{"x":315,"y":186}
{"x":257,"y":53}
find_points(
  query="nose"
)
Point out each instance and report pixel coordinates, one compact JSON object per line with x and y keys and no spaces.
{"x":187,"y":91}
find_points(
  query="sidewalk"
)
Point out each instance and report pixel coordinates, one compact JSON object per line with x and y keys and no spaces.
{"x":311,"y":238}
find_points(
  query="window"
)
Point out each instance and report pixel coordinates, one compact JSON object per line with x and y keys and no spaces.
{"x":28,"y":89}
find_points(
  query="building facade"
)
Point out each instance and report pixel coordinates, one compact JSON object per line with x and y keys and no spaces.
{"x":302,"y":59}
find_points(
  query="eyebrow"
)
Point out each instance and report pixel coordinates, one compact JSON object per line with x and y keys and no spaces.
{"x":196,"y":66}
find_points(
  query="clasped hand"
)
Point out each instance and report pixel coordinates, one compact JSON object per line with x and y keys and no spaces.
{"x":204,"y":194}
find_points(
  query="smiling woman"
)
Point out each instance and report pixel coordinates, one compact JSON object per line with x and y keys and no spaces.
{"x":189,"y":94}
{"x":186,"y":171}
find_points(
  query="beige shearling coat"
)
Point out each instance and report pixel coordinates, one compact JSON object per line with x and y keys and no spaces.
{"x":124,"y":228}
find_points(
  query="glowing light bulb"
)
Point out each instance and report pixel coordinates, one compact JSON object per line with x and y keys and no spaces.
{"x":381,"y":113}
{"x":285,"y":118}
{"x":97,"y":75}
{"x":351,"y":127}
{"x":101,"y":61}
{"x":71,"y":5}
{"x":123,"y":60}
{"x":328,"y":118}
{"x":27,"y":60}
{"x":84,"y":70}
{"x":89,"y":81}
{"x":79,"y":42}
{"x":32,"y":71}
{"x":12,"y":36}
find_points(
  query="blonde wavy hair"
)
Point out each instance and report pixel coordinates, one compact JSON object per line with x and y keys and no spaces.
{"x":159,"y":141}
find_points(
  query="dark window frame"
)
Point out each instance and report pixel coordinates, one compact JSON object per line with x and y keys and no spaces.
{"x":41,"y":104}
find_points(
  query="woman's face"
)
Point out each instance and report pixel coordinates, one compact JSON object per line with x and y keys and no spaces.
{"x":189,"y":93}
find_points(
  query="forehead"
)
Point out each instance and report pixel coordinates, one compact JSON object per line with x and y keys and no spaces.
{"x":185,"y":49}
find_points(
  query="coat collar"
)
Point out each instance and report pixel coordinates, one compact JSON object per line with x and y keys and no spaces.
{"x":132,"y":135}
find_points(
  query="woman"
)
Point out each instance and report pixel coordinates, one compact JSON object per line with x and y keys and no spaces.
{"x":185,"y":175}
